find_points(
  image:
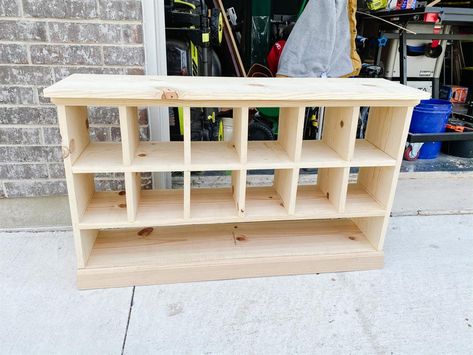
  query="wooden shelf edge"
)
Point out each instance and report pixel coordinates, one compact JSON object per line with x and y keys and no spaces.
{"x":234,"y":269}
{"x":179,"y":221}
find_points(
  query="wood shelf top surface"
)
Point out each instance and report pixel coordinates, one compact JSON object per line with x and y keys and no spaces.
{"x":179,"y":89}
{"x":192,"y":245}
{"x":106,"y":157}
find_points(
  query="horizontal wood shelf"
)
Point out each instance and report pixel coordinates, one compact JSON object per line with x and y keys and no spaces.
{"x":165,"y":207}
{"x":104,"y":157}
{"x":193,"y":253}
{"x":139,"y":236}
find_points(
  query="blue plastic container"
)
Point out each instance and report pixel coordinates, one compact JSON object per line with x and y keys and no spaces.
{"x":430,"y":116}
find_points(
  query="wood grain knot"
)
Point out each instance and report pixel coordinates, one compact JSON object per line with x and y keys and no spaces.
{"x":341,"y":124}
{"x":351,"y":238}
{"x":141,"y":155}
{"x":65,"y":152}
{"x":145,"y":231}
{"x":122,"y":205}
{"x":328,"y":195}
{"x":169,"y":94}
{"x":122,"y":193}
{"x":242,"y":238}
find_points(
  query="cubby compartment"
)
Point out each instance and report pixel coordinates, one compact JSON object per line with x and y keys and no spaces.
{"x":224,"y":155}
{"x":275,"y":198}
{"x":101,"y":199}
{"x":222,"y":199}
{"x":379,"y":147}
{"x":369,"y":190}
{"x":129,"y":150}
{"x":283,"y":152}
{"x":148,"y":206}
{"x":335,"y":148}
{"x":321,"y":192}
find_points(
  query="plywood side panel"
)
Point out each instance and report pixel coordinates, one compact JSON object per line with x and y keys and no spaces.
{"x":333,"y":182}
{"x":129,"y":132}
{"x":291,"y":125}
{"x":339,"y":129}
{"x":73,"y":125}
{"x":74,"y":128}
{"x":372,"y":228}
{"x":386,"y":126}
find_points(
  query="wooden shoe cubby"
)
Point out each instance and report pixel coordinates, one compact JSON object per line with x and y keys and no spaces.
{"x":138,"y":236}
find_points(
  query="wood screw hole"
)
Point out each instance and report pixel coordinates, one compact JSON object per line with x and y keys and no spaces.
{"x":328,"y":195}
{"x":341,"y":124}
{"x":145,"y":232}
{"x":242,"y":211}
{"x":122,"y":205}
{"x":122,"y":193}
{"x":241,"y":238}
{"x":142,"y":155}
{"x":351,"y":238}
{"x":235,"y":227}
{"x":270,"y":196}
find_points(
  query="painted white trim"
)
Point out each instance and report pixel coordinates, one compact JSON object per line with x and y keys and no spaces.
{"x":155,"y":64}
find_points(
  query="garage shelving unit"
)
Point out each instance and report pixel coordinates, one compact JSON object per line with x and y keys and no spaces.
{"x":138,"y":236}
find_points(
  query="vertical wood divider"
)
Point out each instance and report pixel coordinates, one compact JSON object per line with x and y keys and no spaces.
{"x":187,"y":194}
{"x":291,"y":126}
{"x":339,"y":130}
{"x":130,"y":140}
{"x":240,"y":132}
{"x":339,"y":133}
{"x":73,"y":125}
{"x":187,"y":161}
{"x":285,"y":183}
{"x":239,"y":190}
{"x":129,"y":132}
{"x":333,"y":182}
{"x":132,"y":194}
{"x":187,"y":135}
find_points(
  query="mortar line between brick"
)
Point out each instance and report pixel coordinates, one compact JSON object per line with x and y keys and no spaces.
{"x":73,"y":20}
{"x":74,"y":66}
{"x":65,"y":44}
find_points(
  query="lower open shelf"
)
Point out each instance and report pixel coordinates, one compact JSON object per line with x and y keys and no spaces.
{"x":226,"y":251}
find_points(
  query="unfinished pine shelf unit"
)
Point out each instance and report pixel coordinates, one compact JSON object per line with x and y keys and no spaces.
{"x":139,"y":237}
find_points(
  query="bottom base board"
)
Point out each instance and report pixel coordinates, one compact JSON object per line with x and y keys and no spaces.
{"x":227,"y":251}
